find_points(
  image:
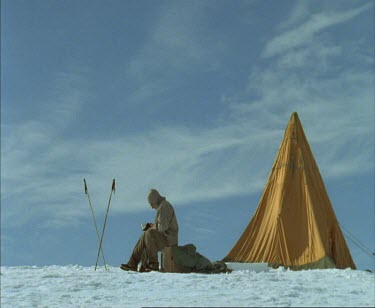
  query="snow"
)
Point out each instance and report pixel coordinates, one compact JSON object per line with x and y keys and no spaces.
{"x":78,"y":286}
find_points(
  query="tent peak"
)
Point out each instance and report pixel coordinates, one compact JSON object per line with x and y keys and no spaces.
{"x":294,"y":115}
{"x":293,"y":123}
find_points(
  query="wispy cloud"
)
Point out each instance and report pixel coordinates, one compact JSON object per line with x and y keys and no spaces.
{"x":232,"y":157}
{"x":335,"y":103}
{"x":68,"y":94}
{"x":187,"y":164}
{"x":174,"y":46}
{"x":184,"y":163}
{"x":305,"y":32}
{"x":37,"y":162}
{"x":297,"y":14}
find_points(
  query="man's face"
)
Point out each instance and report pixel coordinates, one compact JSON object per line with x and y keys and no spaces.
{"x":153,"y":205}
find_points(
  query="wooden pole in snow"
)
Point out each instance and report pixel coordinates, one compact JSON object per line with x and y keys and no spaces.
{"x":96,"y":227}
{"x":105,"y":222}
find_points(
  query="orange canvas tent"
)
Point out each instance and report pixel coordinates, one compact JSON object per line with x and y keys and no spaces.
{"x":294,"y":225}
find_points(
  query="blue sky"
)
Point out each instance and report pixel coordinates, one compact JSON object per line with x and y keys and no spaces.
{"x":189,"y":97}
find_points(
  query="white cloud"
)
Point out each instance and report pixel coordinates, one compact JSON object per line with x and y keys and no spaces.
{"x":174,"y":46}
{"x":336,"y":112}
{"x":184,"y":164}
{"x":298,"y":13}
{"x":335,"y":103}
{"x":304,"y":33}
{"x":231,"y":158}
{"x":42,"y":175}
{"x":309,"y":57}
{"x":36,"y":161}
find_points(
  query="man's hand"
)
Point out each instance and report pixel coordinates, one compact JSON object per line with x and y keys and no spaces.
{"x":147,"y":226}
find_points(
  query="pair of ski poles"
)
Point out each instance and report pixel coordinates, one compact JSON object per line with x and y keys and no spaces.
{"x":100,"y":238}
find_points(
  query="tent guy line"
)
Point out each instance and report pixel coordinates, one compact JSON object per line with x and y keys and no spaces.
{"x":358,"y":243}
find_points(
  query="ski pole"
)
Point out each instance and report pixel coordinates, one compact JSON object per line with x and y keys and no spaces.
{"x":93,"y":216}
{"x":105,"y":221}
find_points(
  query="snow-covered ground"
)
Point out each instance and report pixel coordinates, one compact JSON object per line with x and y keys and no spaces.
{"x":77,"y":286}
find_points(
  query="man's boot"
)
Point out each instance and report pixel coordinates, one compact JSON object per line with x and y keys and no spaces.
{"x":127,"y":267}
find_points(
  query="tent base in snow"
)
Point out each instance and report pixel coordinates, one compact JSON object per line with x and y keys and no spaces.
{"x":294,"y":225}
{"x":325,"y":262}
{"x":254,"y":267}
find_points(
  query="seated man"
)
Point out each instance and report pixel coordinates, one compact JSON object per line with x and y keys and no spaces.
{"x":161,"y":234}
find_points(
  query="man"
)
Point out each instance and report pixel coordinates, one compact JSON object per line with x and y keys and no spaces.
{"x":162,"y":234}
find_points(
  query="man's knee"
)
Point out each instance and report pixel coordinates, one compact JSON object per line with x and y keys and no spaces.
{"x":150,"y":234}
{"x":143,"y":236}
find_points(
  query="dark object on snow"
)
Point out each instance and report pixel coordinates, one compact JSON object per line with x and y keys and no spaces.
{"x":186,"y":259}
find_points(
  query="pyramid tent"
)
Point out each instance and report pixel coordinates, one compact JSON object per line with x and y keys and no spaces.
{"x":294,"y":225}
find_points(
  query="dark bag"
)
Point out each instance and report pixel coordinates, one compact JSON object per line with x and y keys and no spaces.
{"x":190,"y":260}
